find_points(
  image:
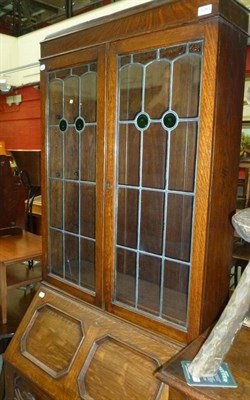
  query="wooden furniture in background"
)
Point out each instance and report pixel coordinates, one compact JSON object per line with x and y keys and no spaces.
{"x":10,"y":187}
{"x":14,"y":249}
{"x":36,"y":214}
{"x":238,"y":359}
{"x":37,"y":206}
{"x":30,"y":162}
{"x":241,"y":257}
{"x":243,"y":192}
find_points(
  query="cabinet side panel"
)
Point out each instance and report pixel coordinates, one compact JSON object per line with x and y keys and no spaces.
{"x":224,"y":173}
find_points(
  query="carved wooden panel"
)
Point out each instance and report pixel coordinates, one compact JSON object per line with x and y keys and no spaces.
{"x":112,"y":367}
{"x":52,"y":339}
{"x":69,"y":349}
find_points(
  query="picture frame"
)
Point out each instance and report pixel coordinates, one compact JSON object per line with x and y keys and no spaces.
{"x":245,"y":142}
{"x":246,"y":101}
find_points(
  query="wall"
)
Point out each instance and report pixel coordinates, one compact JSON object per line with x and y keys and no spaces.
{"x":20,"y":124}
{"x":8,"y":52}
{"x":19,"y":57}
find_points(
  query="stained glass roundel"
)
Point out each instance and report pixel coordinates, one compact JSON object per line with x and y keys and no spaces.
{"x":169,"y":120}
{"x":79,"y":124}
{"x":142,"y":121}
{"x":63,"y":124}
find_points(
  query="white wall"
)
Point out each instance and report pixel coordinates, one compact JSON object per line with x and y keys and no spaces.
{"x":8,"y":52}
{"x":19,"y":57}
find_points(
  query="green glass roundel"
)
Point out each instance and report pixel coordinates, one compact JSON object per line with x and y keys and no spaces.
{"x":142,"y":121}
{"x":79,"y":124}
{"x":63,"y":125}
{"x":169,"y":120}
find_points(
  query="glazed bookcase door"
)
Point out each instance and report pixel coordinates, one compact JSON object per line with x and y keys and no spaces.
{"x":73,"y":188}
{"x":157,"y":134}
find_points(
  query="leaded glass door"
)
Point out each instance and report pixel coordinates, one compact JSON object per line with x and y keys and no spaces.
{"x":156,"y":136}
{"x":72,"y":183}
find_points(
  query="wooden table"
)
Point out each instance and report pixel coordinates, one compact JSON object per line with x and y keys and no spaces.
{"x":13,"y":250}
{"x":238,"y":359}
{"x":241,"y":256}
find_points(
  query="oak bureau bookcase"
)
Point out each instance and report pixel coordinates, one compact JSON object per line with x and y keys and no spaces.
{"x":141,"y":119}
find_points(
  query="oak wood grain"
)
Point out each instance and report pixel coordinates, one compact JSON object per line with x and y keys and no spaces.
{"x":16,"y":248}
{"x":238,"y":359}
{"x":106,"y":358}
{"x":161,"y":24}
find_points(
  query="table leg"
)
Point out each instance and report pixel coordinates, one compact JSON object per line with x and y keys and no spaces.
{"x":3,"y":291}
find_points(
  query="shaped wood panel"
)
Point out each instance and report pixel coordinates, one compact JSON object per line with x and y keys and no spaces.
{"x":114,"y":369}
{"x":52,"y":339}
{"x":68,"y":349}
